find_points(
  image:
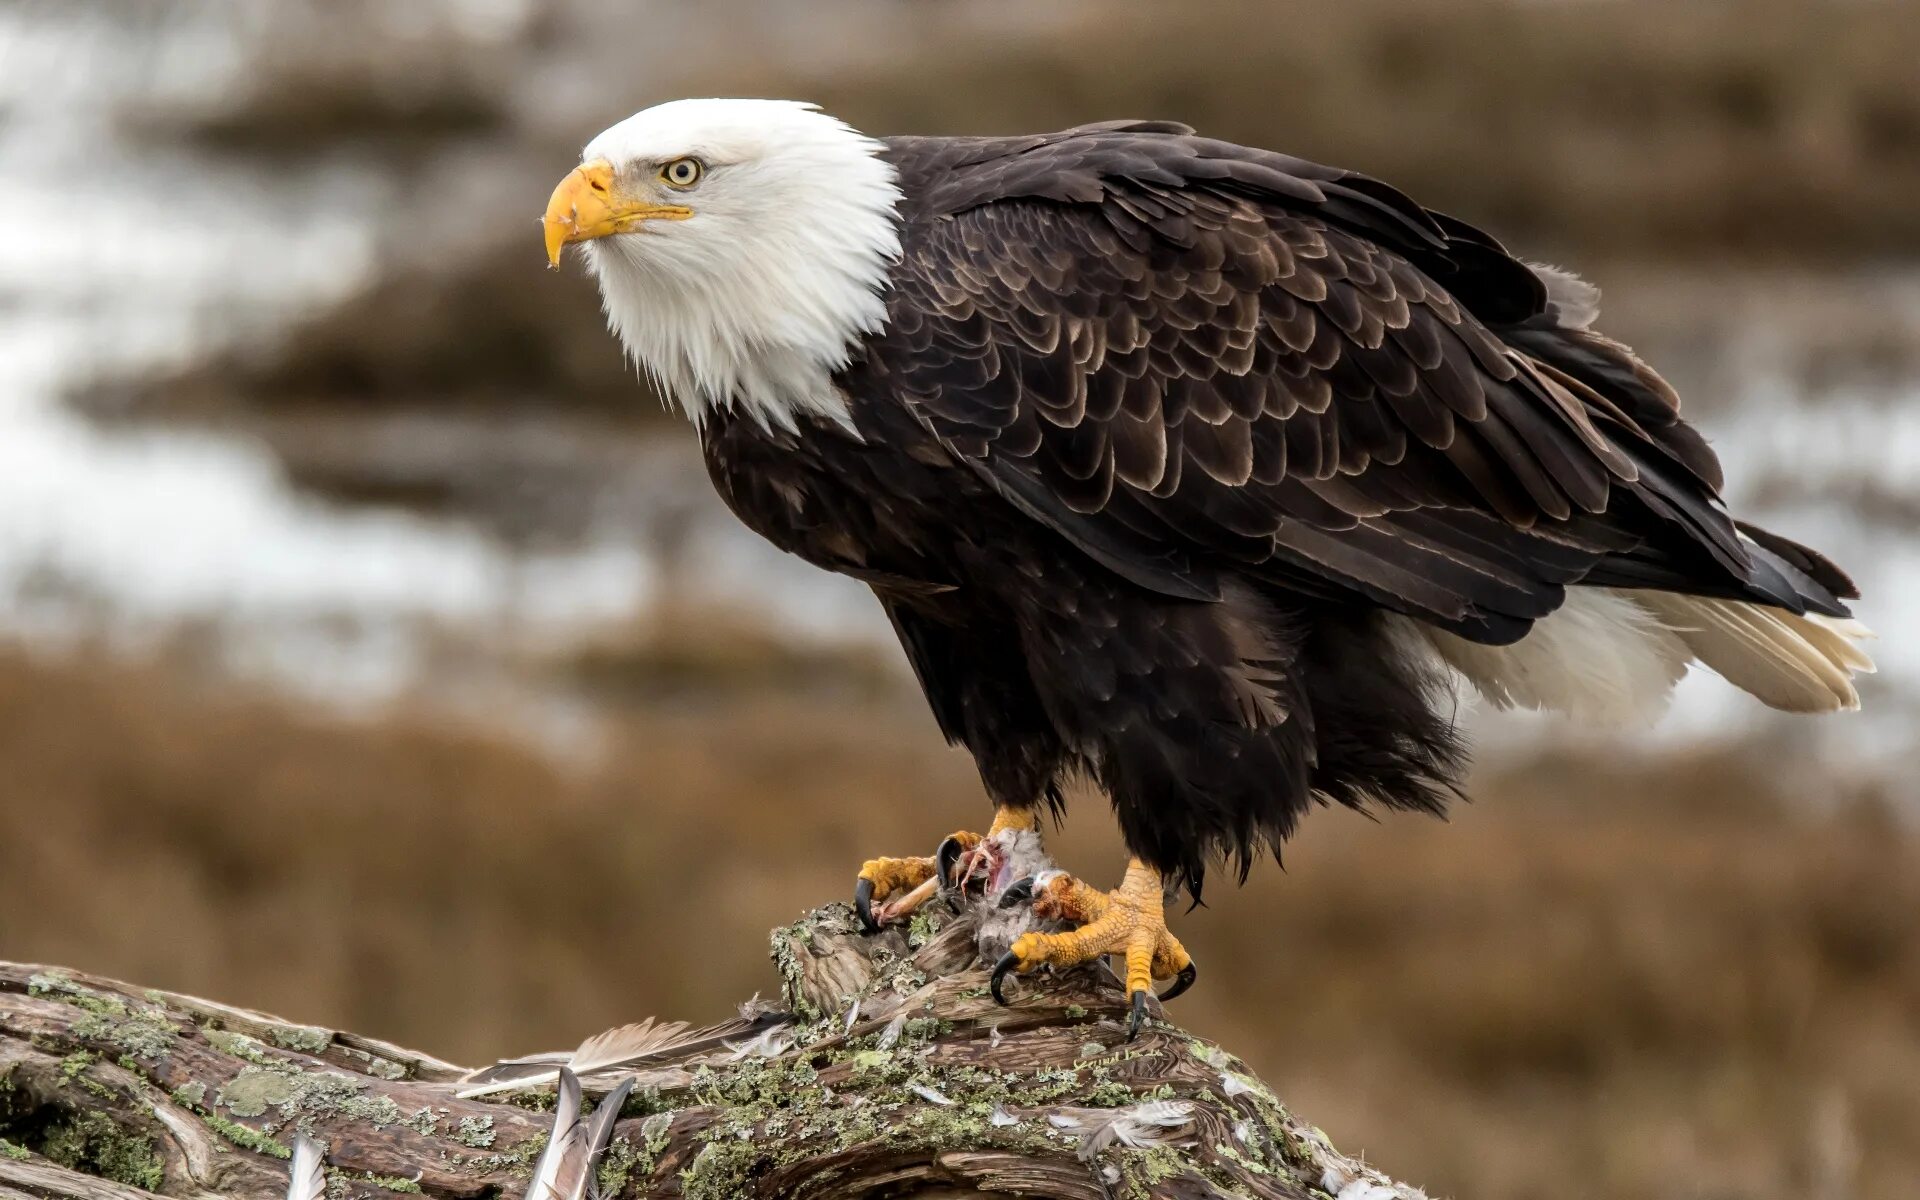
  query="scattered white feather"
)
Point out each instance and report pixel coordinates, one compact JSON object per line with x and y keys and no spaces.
{"x":993,"y":1036}
{"x":890,"y":1036}
{"x":930,"y":1095}
{"x":575,"y":1146}
{"x":1243,"y":1131}
{"x":1344,"y":1179}
{"x":1000,"y":1118}
{"x":307,"y":1174}
{"x":624,"y":1044}
{"x":1138,"y":1127}
{"x":853,"y":1015}
{"x":561,"y":1166}
{"x":617,"y":1047}
{"x":771,"y":1042}
{"x":1232,"y":1085}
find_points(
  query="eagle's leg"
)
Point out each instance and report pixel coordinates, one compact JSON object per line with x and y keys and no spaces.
{"x":1130,"y":920}
{"x":904,"y":884}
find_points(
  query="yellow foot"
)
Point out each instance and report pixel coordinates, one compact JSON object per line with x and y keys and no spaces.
{"x":904,"y":884}
{"x":1131,"y":920}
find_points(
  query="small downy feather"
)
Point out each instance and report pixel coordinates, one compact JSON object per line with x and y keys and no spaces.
{"x":1138,"y":1126}
{"x":771,"y":1042}
{"x":574,"y":1148}
{"x":307,"y":1177}
{"x":1576,"y":303}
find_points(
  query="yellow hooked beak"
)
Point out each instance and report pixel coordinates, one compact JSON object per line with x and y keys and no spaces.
{"x":585,"y":206}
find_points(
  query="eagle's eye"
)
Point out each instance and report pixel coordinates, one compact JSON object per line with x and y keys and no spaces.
{"x":682,"y":172}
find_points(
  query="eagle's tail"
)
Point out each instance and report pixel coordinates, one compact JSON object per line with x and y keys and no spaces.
{"x":1799,"y":658}
{"x":1788,"y":661}
{"x":1614,"y":654}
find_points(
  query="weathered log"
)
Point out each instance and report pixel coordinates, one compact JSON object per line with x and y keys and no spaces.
{"x":887,"y":1070}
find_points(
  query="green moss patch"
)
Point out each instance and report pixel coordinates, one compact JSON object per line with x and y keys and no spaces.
{"x":246,"y":1137}
{"x":92,"y":1143}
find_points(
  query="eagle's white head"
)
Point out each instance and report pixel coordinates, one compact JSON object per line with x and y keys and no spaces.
{"x":741,"y":246}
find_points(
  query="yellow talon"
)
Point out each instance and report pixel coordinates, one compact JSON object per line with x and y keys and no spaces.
{"x":1131,"y":921}
{"x":880,"y":878}
{"x":890,"y":875}
{"x":907,"y":883}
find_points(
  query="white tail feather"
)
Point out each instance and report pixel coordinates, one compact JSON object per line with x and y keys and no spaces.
{"x":1614,"y":655}
{"x":1837,"y":635}
{"x":1789,"y":662}
{"x":1600,"y":657}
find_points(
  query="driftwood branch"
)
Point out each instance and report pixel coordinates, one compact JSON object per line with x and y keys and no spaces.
{"x":885,"y":1070}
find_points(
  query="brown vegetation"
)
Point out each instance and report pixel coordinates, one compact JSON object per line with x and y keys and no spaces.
{"x":1639,"y":128}
{"x":1641,"y":976}
{"x":1780,"y":128}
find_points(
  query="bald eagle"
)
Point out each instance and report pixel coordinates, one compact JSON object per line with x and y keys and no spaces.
{"x":1192,"y":467}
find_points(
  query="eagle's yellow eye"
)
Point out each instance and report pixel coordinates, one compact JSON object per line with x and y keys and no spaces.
{"x":682,"y":172}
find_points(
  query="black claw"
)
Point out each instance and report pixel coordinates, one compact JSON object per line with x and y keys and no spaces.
{"x":1138,"y":1016}
{"x":863,"y":905}
{"x":1020,"y":891}
{"x":1007,"y":963}
{"x":944,"y":858}
{"x":1181,"y":982}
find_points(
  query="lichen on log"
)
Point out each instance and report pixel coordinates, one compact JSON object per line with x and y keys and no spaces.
{"x":886,"y":1070}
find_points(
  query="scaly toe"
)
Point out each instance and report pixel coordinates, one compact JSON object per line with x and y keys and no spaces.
{"x":1129,"y":921}
{"x":904,"y":884}
{"x":880,"y":878}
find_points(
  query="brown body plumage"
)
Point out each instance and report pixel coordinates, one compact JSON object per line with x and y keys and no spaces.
{"x":1165,"y":441}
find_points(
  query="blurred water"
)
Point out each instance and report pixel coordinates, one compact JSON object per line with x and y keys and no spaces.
{"x":129,"y":534}
{"x":121,"y":253}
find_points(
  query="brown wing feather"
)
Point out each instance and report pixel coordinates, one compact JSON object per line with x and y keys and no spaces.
{"x":1189,"y":357}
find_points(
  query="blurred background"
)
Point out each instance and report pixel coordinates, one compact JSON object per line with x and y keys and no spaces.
{"x":373,"y":651}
